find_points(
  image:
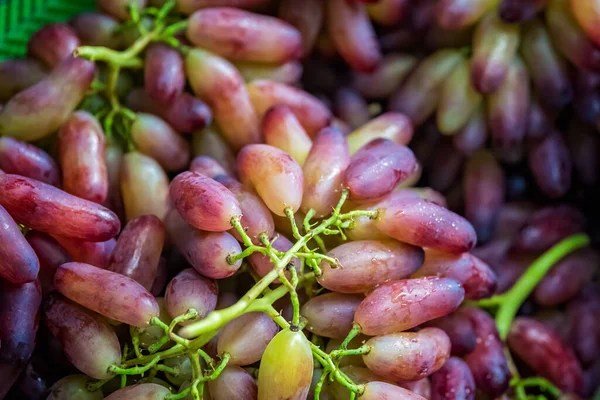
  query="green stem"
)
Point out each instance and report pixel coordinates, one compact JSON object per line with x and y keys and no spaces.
{"x":512,"y":300}
{"x":134,"y":370}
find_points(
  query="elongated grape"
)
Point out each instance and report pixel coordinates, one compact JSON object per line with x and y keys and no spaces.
{"x":18,"y":262}
{"x":73,"y":387}
{"x":120,"y":8}
{"x":287,"y":377}
{"x":146,"y":391}
{"x":311,"y":112}
{"x":288,"y":73}
{"x":353,"y":34}
{"x":113,"y":295}
{"x":584,"y":321}
{"x":48,"y":209}
{"x":50,"y":254}
{"x":246,"y":338}
{"x":283,"y":130}
{"x":551,"y":165}
{"x":256,"y":217}
{"x":19,"y":74}
{"x":207,"y":166}
{"x":216,"y":81}
{"x":390,"y":125}
{"x":473,"y":134}
{"x":567,"y":278}
{"x":408,"y":356}
{"x":53,"y":43}
{"x":380,"y":390}
{"x":460,"y":331}
{"x":350,"y":107}
{"x":545,"y":353}
{"x":487,"y":361}
{"x":203,"y":202}
{"x":24,"y":159}
{"x":209,"y":142}
{"x":82,"y":157}
{"x":88,"y":340}
{"x":277,"y":178}
{"x":425,"y":224}
{"x":96,"y":29}
{"x":263,"y":264}
{"x":323,"y":171}
{"x":114,"y":165}
{"x":388,"y":12}
{"x":188,"y":289}
{"x":93,"y":253}
{"x":457,"y":14}
{"x":138,"y":249}
{"x":19,"y":315}
{"x":453,"y":381}
{"x":418,"y":96}
{"x":365,"y":264}
{"x":164,"y":76}
{"x":422,"y":387}
{"x":548,"y":226}
{"x":382,"y":82}
{"x":458,"y":100}
{"x":42,"y":108}
{"x":377,"y":168}
{"x":233,"y":383}
{"x":306,"y":17}
{"x":241,"y":35}
{"x":155,"y":138}
{"x":587,"y":13}
{"x":206,"y":251}
{"x":144,"y":185}
{"x":331,"y":314}
{"x":404,"y":304}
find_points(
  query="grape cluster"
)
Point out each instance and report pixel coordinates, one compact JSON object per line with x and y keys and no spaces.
{"x":290,"y":200}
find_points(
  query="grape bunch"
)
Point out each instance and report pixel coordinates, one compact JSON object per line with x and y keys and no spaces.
{"x":290,"y":200}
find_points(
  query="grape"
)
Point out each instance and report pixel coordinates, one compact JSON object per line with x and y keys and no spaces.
{"x":73,"y":387}
{"x":155,"y":138}
{"x":380,"y":390}
{"x":24,"y":159}
{"x":50,"y":254}
{"x":184,"y":367}
{"x":418,"y":95}
{"x":350,"y":107}
{"x":323,"y":171}
{"x":263,"y":264}
{"x":203,"y":203}
{"x":487,"y":361}
{"x":331,"y":314}
{"x":256,"y":217}
{"x":325,"y":393}
{"x":364,"y":264}
{"x":114,"y":166}
{"x":382,"y":82}
{"x":120,"y":8}
{"x":445,"y":167}
{"x":404,"y":304}
{"x":19,"y":315}
{"x":286,"y":377}
{"x":153,"y":334}
{"x":551,"y":165}
{"x":18,"y":261}
{"x":353,"y":35}
{"x":453,"y":381}
{"x":312,"y":114}
{"x":359,"y":375}
{"x":306,"y":16}
{"x":216,"y":81}
{"x":587,"y":14}
{"x":41,"y":109}
{"x":460,"y":331}
{"x":96,"y":29}
{"x":422,"y":387}
{"x":377,"y":168}
{"x":388,"y":12}
{"x":82,"y":157}
{"x":548,"y":226}
{"x":425,"y":224}
{"x":164,"y":76}
{"x":246,"y":338}
{"x":144,"y":185}
{"x":209,"y":142}
{"x":277,"y":178}
{"x":282,"y":130}
{"x":137,"y":252}
{"x":188,"y":289}
{"x":458,"y":14}
{"x":241,"y":35}
{"x":208,"y":166}
{"x":48,"y":209}
{"x":475,"y":276}
{"x":108,"y":293}
{"x":288,"y":73}
{"x":93,"y":253}
{"x":234,"y":383}
{"x":206,"y":251}
{"x":88,"y":340}
{"x":53,"y":43}
{"x":17,"y":75}
{"x":408,"y":356}
{"x":146,"y":391}
{"x":584,"y":329}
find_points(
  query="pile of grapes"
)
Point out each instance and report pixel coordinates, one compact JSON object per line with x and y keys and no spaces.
{"x":303,"y":199}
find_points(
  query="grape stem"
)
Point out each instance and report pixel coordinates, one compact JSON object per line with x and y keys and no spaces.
{"x":509,"y":303}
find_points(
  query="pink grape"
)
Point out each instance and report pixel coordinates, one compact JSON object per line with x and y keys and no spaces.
{"x":246,"y":338}
{"x":188,"y":289}
{"x":331,"y":314}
